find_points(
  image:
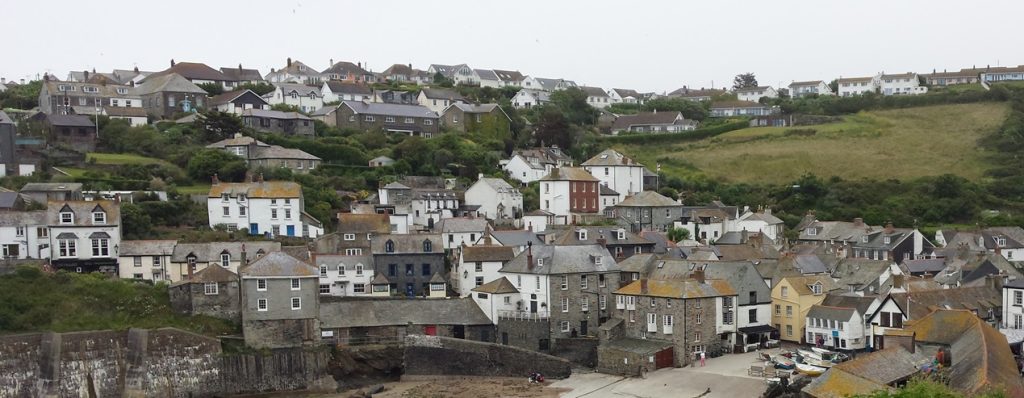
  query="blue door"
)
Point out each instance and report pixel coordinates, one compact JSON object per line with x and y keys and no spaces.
{"x":254,"y":229}
{"x":291,"y":230}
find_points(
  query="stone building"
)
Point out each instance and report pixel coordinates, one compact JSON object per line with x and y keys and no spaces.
{"x":409,"y":261}
{"x":280,"y":303}
{"x":647,"y":210}
{"x":358,"y":320}
{"x":214,"y":291}
{"x":683,"y":312}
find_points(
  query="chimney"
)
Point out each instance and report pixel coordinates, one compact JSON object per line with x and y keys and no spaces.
{"x":85,"y":75}
{"x":214,"y":179}
{"x":529,"y":227}
{"x":331,"y":62}
{"x":359,"y":64}
{"x":3,"y":80}
{"x":410,"y":66}
{"x":698,"y":275}
{"x":994,"y":282}
{"x":601,"y":240}
{"x":245,"y":255}
{"x":643,"y":286}
{"x":136,"y":69}
{"x":21,"y":81}
{"x":858,"y":221}
{"x":131,"y":83}
{"x":768,"y":211}
{"x":889,"y":228}
{"x":905,"y":340}
{"x":529,"y":255}
{"x":289,"y":65}
{"x":239,"y":68}
{"x":172,"y":62}
{"x":744,"y":235}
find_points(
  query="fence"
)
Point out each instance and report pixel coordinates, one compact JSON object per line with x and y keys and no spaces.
{"x":524,"y":315}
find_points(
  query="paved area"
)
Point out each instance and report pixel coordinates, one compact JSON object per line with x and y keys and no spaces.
{"x":726,"y":376}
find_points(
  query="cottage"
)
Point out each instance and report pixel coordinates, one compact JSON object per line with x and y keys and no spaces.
{"x":596,"y":97}
{"x":620,"y":242}
{"x":792,"y":299}
{"x":850,"y":86}
{"x":306,"y":98}
{"x":259,"y":154}
{"x":274,"y":207}
{"x":337,"y":91}
{"x":458,"y":74}
{"x":414,"y":120}
{"x":235,"y":102}
{"x":24,"y":234}
{"x":510,"y":78}
{"x":280,"y":303}
{"x":459,"y":232}
{"x":479,"y":265}
{"x":527,"y":98}
{"x":214,"y":291}
{"x":570,"y":193}
{"x":286,"y":123}
{"x":168,"y":95}
{"x":382,"y":161}
{"x":387,"y":321}
{"x":400,"y":73}
{"x":496,"y":198}
{"x":145,"y":259}
{"x":77,"y":132}
{"x":189,"y":258}
{"x":197,"y":73}
{"x":84,"y":235}
{"x":815,"y":87}
{"x":294,"y":72}
{"x":488,"y":78}
{"x":1002,"y":73}
{"x":242,"y":75}
{"x":43,"y":192}
{"x":697,"y":95}
{"x":653,"y":122}
{"x":647,"y":210}
{"x":902,"y":84}
{"x":495,"y":297}
{"x":617,"y":171}
{"x":626,"y":96}
{"x":408,"y":261}
{"x":483,"y":118}
{"x":439,"y":99}
{"x":529,"y":165}
{"x":85,"y":97}
{"x":348,"y":72}
{"x":344,"y":275}
{"x":754,"y":94}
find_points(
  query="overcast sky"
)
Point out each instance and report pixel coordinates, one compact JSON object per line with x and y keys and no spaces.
{"x":649,"y":46}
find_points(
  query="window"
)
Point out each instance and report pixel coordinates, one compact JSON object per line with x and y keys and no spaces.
{"x":583,"y":281}
{"x":353,"y":252}
{"x":602,"y":302}
{"x":565,"y":304}
{"x":389,"y":119}
{"x":42,"y":232}
{"x":428,"y":246}
{"x":600,"y":280}
{"x":359,"y":288}
{"x":273,"y":213}
{"x":296,"y":284}
{"x":519,"y":281}
{"x":785,"y":291}
{"x":584,"y":304}
{"x":137,"y":261}
{"x":389,"y":246}
{"x":359,"y":269}
{"x":261,"y":304}
{"x":100,"y":247}
{"x":537,"y":282}
{"x":789,"y":330}
{"x":261,"y":285}
{"x":296,"y":303}
{"x":565,"y":282}
{"x":696,"y":337}
{"x":210,"y":289}
{"x":789,"y":311}
{"x":1018,"y":297}
{"x":427,"y":122}
{"x":241,"y":211}
{"x":325,"y":289}
{"x":698,"y":317}
{"x":752,"y":316}
{"x":753,"y":297}
{"x":816,"y":288}
{"x":67,"y":217}
{"x":812,"y":231}
{"x":667,"y":321}
{"x":426,"y":270}
{"x":225,"y":260}
{"x":564,"y":326}
{"x":287,"y":214}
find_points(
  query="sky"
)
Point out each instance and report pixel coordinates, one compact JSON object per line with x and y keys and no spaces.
{"x":651,"y":46}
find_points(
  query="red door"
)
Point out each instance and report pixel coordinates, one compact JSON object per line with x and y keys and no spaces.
{"x":664,"y":358}
{"x":430,"y":330}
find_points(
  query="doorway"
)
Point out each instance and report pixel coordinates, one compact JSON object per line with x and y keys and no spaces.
{"x":459,"y":331}
{"x":583,"y":328}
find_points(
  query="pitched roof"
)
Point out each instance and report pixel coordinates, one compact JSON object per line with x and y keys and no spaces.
{"x":279,"y":152}
{"x":266,"y":189}
{"x":364,"y":223}
{"x":978,"y":298}
{"x":376,"y":108}
{"x":832,"y":313}
{"x":241,"y":74}
{"x":735,"y":104}
{"x":441,"y":93}
{"x":570,"y":235}
{"x":516,"y":238}
{"x":646,"y":119}
{"x":70,"y":120}
{"x":345,"y":68}
{"x":146,"y":247}
{"x":337,"y":86}
{"x":124,"y":111}
{"x":278,"y":264}
{"x":51,"y":187}
{"x":350,"y":313}
{"x":237,"y":140}
{"x":83,"y":210}
{"x":301,"y":89}
{"x":611,"y":157}
{"x":483,"y":253}
{"x":807,"y":83}
{"x":407,"y":243}
{"x":837,"y":383}
{"x":211,"y":274}
{"x":860,"y":303}
{"x":476,"y":108}
{"x":752,"y":89}
{"x":171,"y":82}
{"x":648,"y":199}
{"x":192,"y":71}
{"x":568,"y":174}
{"x":23,"y":218}
{"x":486,"y":74}
{"x":229,"y":96}
{"x":801,"y":284}
{"x":497,"y":286}
{"x":623,"y":92}
{"x":509,"y":75}
{"x":594,"y":91}
{"x":679,"y":288}
{"x":462,"y":224}
{"x":559,"y":259}
{"x":693,"y":93}
{"x":399,"y":69}
{"x":211,"y":251}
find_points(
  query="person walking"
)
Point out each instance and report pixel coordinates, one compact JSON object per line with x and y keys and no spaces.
{"x":702,"y":356}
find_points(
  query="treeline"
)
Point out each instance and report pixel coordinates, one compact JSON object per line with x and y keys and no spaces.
{"x":835,"y":105}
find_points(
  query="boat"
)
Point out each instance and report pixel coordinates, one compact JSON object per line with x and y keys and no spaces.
{"x":830,"y":355}
{"x":810,"y":370}
{"x":813,"y":358}
{"x":782,"y":362}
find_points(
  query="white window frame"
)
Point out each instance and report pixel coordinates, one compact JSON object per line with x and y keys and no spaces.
{"x":261,"y":285}
{"x":296,"y":284}
{"x":210,"y":289}
{"x":262,"y":305}
{"x":296,"y":303}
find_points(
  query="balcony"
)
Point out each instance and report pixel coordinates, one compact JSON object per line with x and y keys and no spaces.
{"x":524,"y":315}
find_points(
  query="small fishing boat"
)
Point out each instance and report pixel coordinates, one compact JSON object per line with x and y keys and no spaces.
{"x":813,"y":358}
{"x":810,"y":370}
{"x":830,"y":355}
{"x":782,"y":362}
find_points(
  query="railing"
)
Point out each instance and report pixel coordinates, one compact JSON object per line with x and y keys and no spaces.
{"x":524,"y":315}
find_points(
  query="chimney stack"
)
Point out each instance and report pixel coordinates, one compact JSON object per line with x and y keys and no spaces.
{"x":529,"y":255}
{"x":239,"y":69}
{"x":85,"y":75}
{"x":136,"y":69}
{"x":858,"y":221}
{"x":602,"y":241}
{"x":172,"y":62}
{"x":889,"y":228}
{"x":214,"y":179}
{"x":289,"y":64}
{"x":191,"y":270}
{"x":243,"y":261}
{"x":643,"y":286}
{"x":744,"y":235}
{"x":698,"y":275}
{"x":331,"y":62}
{"x":897,"y":281}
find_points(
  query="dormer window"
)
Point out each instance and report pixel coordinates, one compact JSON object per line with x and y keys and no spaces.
{"x":582,"y":234}
{"x":864,"y":239}
{"x":241,"y":197}
{"x":225,"y":260}
{"x":224,"y":197}
{"x":1000,"y":241}
{"x":389,"y":246}
{"x":816,"y":288}
{"x":812,"y":231}
{"x":428,"y":246}
{"x":67,"y":217}
{"x":622,"y":234}
{"x":887,"y":240}
{"x":597,"y":260}
{"x":99,"y":217}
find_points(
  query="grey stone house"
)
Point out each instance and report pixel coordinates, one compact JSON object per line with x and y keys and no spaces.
{"x":354,"y":233}
{"x":287,"y":123}
{"x":646,"y":211}
{"x":414,"y":120}
{"x":167,"y":95}
{"x":389,"y":320}
{"x":213,"y":291}
{"x":280,"y":302}
{"x":621,"y":243}
{"x":679,"y":313}
{"x":409,"y":261}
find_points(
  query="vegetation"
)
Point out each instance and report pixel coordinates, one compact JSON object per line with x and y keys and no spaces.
{"x":744,"y":80}
{"x":212,"y":88}
{"x":258,"y":88}
{"x":926,"y":388}
{"x":62,"y":302}
{"x":22,"y":96}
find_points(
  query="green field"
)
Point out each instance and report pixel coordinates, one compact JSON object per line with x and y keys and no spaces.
{"x":902,"y":143}
{"x":194,"y":189}
{"x":123,"y":158}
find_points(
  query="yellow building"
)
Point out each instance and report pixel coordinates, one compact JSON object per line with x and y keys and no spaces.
{"x":792,"y":297}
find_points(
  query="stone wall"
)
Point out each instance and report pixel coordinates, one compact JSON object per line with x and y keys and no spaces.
{"x":432,"y":355}
{"x":621,"y":362}
{"x":523,"y":333}
{"x":149,"y":363}
{"x":191,"y":298}
{"x":281,"y":333}
{"x":581,"y":351}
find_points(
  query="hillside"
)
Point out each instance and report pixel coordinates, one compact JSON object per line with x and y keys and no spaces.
{"x":901,"y":143}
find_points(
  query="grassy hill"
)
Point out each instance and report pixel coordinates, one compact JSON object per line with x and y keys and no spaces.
{"x":902,"y":143}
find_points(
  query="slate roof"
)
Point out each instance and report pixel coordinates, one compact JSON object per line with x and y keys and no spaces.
{"x":624,"y":92}
{"x":752,"y":89}
{"x":980,"y":298}
{"x":210,"y":275}
{"x":693,"y":93}
{"x":742,"y":276}
{"x":832,"y":313}
{"x":859,"y":272}
{"x":482,"y":253}
{"x":229,"y":96}
{"x":211,"y":251}
{"x":241,"y":74}
{"x":800,"y":283}
{"x":476,"y":108}
{"x":407,"y":243}
{"x":594,"y":91}
{"x":266,"y":189}
{"x":364,"y":223}
{"x":278,"y":264}
{"x":8,"y":218}
{"x":83,"y":211}
{"x":611,"y":157}
{"x":550,"y":259}
{"x":837,"y":383}
{"x":807,"y":83}
{"x":546,"y":155}
{"x":569,"y":235}
{"x":636,"y":346}
{"x":124,"y":111}
{"x":606,"y":191}
{"x":332,"y":261}
{"x":925,"y":265}
{"x":486,"y":74}
{"x":860,"y":303}
{"x":516,"y":238}
{"x":442,"y":93}
{"x":376,"y":108}
{"x":51,"y":187}
{"x":8,"y":199}
{"x":568,"y":174}
{"x":648,"y":199}
{"x":146,"y":247}
{"x":171,"y":82}
{"x":70,"y":120}
{"x":237,"y":140}
{"x":450,"y":225}
{"x":497,"y":286}
{"x":679,"y":288}
{"x":350,"y":313}
{"x":399,"y":69}
{"x":836,"y":230}
{"x":279,"y":152}
{"x":192,"y":71}
{"x":509,"y":75}
{"x":344,"y":68}
{"x":301,"y":89}
{"x":624,"y":122}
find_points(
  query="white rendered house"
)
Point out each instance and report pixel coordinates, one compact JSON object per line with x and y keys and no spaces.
{"x":261,"y":207}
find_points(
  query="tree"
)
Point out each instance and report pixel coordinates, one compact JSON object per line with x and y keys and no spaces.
{"x":573,"y":104}
{"x":136,"y":223}
{"x":690,"y":109}
{"x":258,"y":88}
{"x":441,"y":80}
{"x":744,"y":80}
{"x":212,"y":88}
{"x":209,"y":161}
{"x":21,"y":96}
{"x":678,"y":234}
{"x":552,"y":128}
{"x":217,"y":125}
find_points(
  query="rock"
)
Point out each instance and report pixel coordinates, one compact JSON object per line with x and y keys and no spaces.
{"x":375,"y":389}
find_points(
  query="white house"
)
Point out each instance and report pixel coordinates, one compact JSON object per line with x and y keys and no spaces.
{"x":529,"y":165}
{"x":24,"y":234}
{"x":850,"y":86}
{"x":740,"y":108}
{"x":337,"y":91}
{"x":479,"y":265}
{"x":84,"y":235}
{"x":496,"y":297}
{"x":836,"y":328}
{"x":888,"y":315}
{"x":538,"y":220}
{"x":616,"y":171}
{"x":488,"y":78}
{"x":1013,"y":306}
{"x":344,"y":276}
{"x":428,"y":207}
{"x":460,"y":74}
{"x":597,"y":97}
{"x":801,"y":89}
{"x":754,"y":94}
{"x":528,"y":98}
{"x":307,"y":98}
{"x":496,"y":198}
{"x":439,"y":99}
{"x":1006,"y":241}
{"x":261,"y":207}
{"x":457,"y":232}
{"x":145,"y":259}
{"x":902,"y":84}
{"x":762,"y":222}
{"x":625,"y":96}
{"x":294,"y":72}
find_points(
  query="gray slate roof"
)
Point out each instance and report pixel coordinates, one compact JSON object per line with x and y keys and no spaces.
{"x":455,"y":225}
{"x":376,"y":108}
{"x":516,"y":238}
{"x":274,"y":114}
{"x":649,"y":199}
{"x":833,"y":313}
{"x":563,"y":260}
{"x":278,"y":264}
{"x":210,"y":251}
{"x":146,"y":247}
{"x":350,"y":313}
{"x":8,"y":218}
